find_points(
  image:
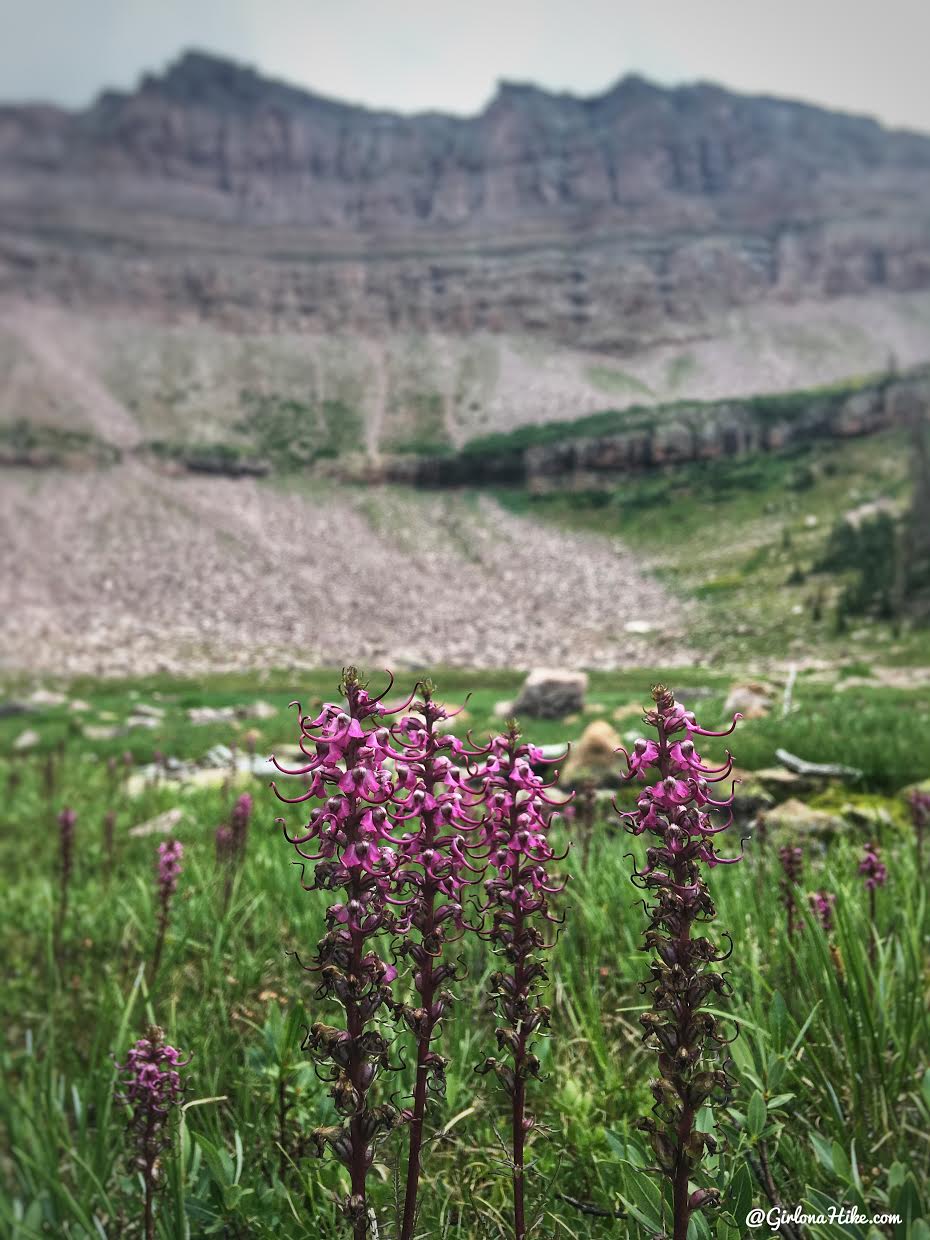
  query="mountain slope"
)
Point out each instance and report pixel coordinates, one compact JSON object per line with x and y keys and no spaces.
{"x":632,"y":225}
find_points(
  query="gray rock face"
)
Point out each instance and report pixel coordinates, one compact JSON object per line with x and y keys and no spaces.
{"x":595,"y":222}
{"x":551,"y":694}
{"x":693,"y":432}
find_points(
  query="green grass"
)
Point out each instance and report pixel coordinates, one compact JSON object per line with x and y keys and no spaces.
{"x":24,"y":441}
{"x":617,"y":382}
{"x":748,"y":538}
{"x":765,"y":408}
{"x":837,"y":1054}
{"x":885,"y":732}
{"x":419,"y":427}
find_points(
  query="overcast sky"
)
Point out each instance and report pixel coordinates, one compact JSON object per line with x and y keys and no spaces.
{"x":868,"y":56}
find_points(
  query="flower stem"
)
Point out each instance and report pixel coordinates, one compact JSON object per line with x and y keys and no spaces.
{"x":427,"y":990}
{"x":358,"y":1168}
{"x":519,"y":1102}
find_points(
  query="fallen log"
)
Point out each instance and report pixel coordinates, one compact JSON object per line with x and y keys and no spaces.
{"x":830,"y":770}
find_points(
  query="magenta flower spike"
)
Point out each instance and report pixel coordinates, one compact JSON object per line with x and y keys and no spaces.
{"x":150,"y":1085}
{"x":676,"y":808}
{"x":347,"y":839}
{"x":872,"y":868}
{"x":241,"y":814}
{"x":109,"y":830}
{"x":792,"y":864}
{"x":515,"y":835}
{"x":168,"y":871}
{"x":225,"y":844}
{"x":66,"y":823}
{"x":919,"y":802}
{"x":434,"y":835}
{"x":875,"y":874}
{"x":822,"y":903}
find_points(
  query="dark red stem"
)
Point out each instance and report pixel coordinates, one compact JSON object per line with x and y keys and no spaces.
{"x":427,"y":991}
{"x":680,"y":1176}
{"x":426,"y":988}
{"x":358,"y":1168}
{"x":518,"y":1115}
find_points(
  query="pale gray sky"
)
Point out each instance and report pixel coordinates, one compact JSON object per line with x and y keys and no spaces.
{"x":868,"y":56}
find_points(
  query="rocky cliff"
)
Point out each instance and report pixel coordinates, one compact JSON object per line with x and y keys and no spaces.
{"x":212,"y":190}
{"x":589,"y":454}
{"x":603,"y":226}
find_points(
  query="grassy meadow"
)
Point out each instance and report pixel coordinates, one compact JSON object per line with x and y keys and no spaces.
{"x":832,"y":1057}
{"x":749,"y":541}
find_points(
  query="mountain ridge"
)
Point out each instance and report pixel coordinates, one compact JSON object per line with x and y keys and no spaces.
{"x":640,"y":219}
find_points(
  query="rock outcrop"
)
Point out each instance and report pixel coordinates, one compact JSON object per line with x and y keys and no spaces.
{"x":674,"y":435}
{"x":601,"y":223}
{"x":551,"y":693}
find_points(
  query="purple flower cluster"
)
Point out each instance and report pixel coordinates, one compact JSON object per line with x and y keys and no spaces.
{"x":150,"y":1085}
{"x":241,"y":815}
{"x":403,"y":819}
{"x":170,"y":854}
{"x":919,"y":802}
{"x":872,"y":868}
{"x":224,"y":841}
{"x":168,"y":871}
{"x":677,"y":809}
{"x":792,"y":864}
{"x":822,"y":903}
{"x":349,"y":837}
{"x":109,"y":829}
{"x":66,"y":823}
{"x":431,"y":809}
{"x":515,"y":835}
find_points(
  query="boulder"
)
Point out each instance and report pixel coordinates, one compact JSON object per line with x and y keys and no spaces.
{"x":872,"y":820}
{"x":632,"y":710}
{"x":258,"y":710}
{"x":550,"y":693}
{"x":46,"y":697}
{"x":161,"y":824}
{"x":211,"y":714}
{"x":782,"y":784}
{"x":150,"y":712}
{"x":102,"y":731}
{"x":594,"y":757}
{"x":752,"y":796}
{"x":795,"y":822}
{"x":752,"y":700}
